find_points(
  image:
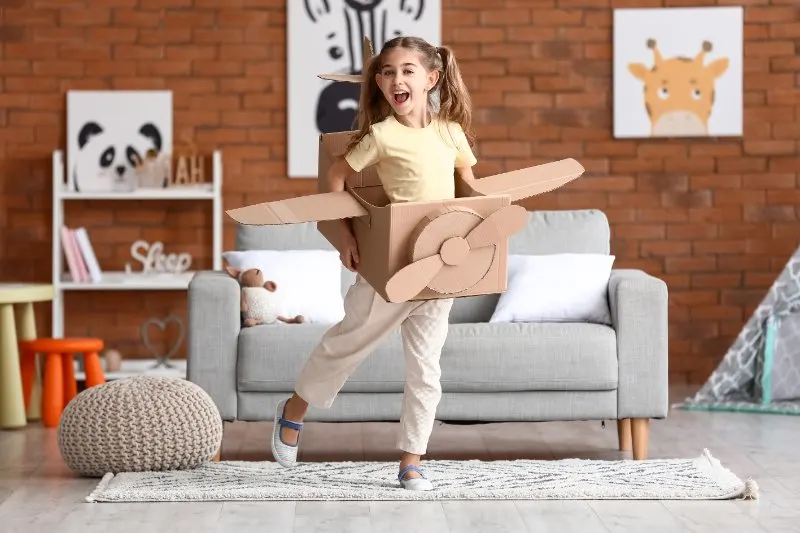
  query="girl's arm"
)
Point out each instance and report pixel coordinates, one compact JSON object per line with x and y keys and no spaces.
{"x":338,"y":173}
{"x":465,"y":173}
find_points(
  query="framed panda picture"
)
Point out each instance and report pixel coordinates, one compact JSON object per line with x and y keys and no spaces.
{"x":109,"y":132}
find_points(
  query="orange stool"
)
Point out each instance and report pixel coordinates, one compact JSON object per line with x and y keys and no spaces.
{"x":60,"y":385}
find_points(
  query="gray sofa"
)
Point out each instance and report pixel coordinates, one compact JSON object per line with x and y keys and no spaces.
{"x":490,"y":372}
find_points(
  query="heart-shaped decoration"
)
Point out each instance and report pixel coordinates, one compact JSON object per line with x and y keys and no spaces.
{"x":162,"y":324}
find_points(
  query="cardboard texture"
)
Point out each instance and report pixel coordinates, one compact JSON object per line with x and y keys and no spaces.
{"x":418,"y":250}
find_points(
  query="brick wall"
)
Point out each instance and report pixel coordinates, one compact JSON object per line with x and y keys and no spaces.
{"x":716,"y":219}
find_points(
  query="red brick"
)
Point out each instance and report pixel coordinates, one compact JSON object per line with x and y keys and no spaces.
{"x":639,"y":231}
{"x":768,"y":14}
{"x":715,"y":181}
{"x":785,"y":30}
{"x":706,"y":280}
{"x":666,"y":249}
{"x":768,"y":181}
{"x":500,"y":17}
{"x":781,"y":64}
{"x":668,"y":150}
{"x":526,"y":99}
{"x":691,"y":231}
{"x":689,"y":264}
{"x":616,"y":148}
{"x":718,"y":247}
{"x":716,"y":312}
{"x":78,"y":16}
{"x":479,"y":35}
{"x":738,"y":197}
{"x":730,"y":213}
{"x":734,"y":165}
{"x":770,"y":49}
{"x":686,"y":199}
{"x":758,"y":213}
{"x":716,"y":149}
{"x":786,"y":131}
{"x":743,"y":230}
{"x":588,"y":133}
{"x":136,"y":18}
{"x":634,"y":200}
{"x":597,"y":51}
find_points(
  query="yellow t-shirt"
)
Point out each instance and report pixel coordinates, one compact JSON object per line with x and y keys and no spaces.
{"x":414,"y":164}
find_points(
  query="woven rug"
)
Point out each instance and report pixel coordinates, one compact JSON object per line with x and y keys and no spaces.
{"x":701,"y":478}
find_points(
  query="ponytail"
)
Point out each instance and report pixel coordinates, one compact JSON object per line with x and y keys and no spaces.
{"x":455,"y":103}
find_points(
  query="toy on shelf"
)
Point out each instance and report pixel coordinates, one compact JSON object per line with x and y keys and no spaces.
{"x":153,"y":171}
{"x":183,"y":168}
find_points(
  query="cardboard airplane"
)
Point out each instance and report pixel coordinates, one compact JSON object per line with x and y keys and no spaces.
{"x":418,"y":250}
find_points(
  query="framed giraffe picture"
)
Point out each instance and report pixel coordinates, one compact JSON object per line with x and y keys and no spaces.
{"x":678,"y":72}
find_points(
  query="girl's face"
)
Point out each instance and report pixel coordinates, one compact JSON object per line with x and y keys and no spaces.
{"x":404,"y":82}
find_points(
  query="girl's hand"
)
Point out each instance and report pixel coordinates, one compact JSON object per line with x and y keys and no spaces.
{"x":349,"y":256}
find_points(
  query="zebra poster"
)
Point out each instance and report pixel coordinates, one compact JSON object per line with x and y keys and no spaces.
{"x":326,"y":37}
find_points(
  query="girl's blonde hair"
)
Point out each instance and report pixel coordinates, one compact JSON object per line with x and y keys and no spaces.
{"x":455,"y":103}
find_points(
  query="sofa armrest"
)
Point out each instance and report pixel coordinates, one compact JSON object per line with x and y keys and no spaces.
{"x":214,"y":324}
{"x":639,"y":314}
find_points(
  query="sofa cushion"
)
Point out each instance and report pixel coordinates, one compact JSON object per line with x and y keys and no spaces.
{"x":502,"y":357}
{"x":580,"y":231}
{"x":301,"y":236}
{"x":556,"y":288}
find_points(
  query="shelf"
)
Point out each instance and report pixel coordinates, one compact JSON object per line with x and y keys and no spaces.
{"x":120,"y":281}
{"x":202,"y":192}
{"x":141,"y":367}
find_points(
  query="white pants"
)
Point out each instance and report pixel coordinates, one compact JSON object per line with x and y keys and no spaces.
{"x":368,"y":319}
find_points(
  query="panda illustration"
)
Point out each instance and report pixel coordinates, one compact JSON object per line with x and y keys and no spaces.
{"x":106,"y":160}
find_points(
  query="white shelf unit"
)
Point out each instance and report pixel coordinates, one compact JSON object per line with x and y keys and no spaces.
{"x":119,"y":280}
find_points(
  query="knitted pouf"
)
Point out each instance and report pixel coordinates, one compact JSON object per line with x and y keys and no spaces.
{"x":143,"y":423}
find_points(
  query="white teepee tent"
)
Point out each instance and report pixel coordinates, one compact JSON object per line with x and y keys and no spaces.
{"x":761,"y":370}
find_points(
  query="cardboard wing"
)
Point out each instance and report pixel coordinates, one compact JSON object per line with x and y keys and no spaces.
{"x":313,"y":208}
{"x":526,"y":182}
{"x":517,"y":184}
{"x":423,"y":250}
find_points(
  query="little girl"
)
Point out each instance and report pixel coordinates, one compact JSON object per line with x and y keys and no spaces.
{"x":415,"y":151}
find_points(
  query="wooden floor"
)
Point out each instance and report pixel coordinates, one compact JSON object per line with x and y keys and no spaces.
{"x":38,"y":493}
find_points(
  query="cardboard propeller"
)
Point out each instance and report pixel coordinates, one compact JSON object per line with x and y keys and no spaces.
{"x":458,"y":233}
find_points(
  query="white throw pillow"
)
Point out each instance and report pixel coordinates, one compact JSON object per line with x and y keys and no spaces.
{"x":309,"y":281}
{"x":556,"y":288}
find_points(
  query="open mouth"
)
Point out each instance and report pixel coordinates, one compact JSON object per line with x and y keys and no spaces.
{"x":400,"y":97}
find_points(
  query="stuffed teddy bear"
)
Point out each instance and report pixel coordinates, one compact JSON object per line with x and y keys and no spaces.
{"x":259,"y":303}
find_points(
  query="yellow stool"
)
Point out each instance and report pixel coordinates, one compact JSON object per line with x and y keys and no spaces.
{"x":19,"y":298}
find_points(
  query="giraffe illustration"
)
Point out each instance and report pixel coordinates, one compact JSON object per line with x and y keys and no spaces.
{"x":679,"y":92}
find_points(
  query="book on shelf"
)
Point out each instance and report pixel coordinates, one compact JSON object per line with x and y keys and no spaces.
{"x":82,"y":263}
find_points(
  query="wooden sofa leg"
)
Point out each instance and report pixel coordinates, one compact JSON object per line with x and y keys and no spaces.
{"x":624,"y":434}
{"x":639,"y":431}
